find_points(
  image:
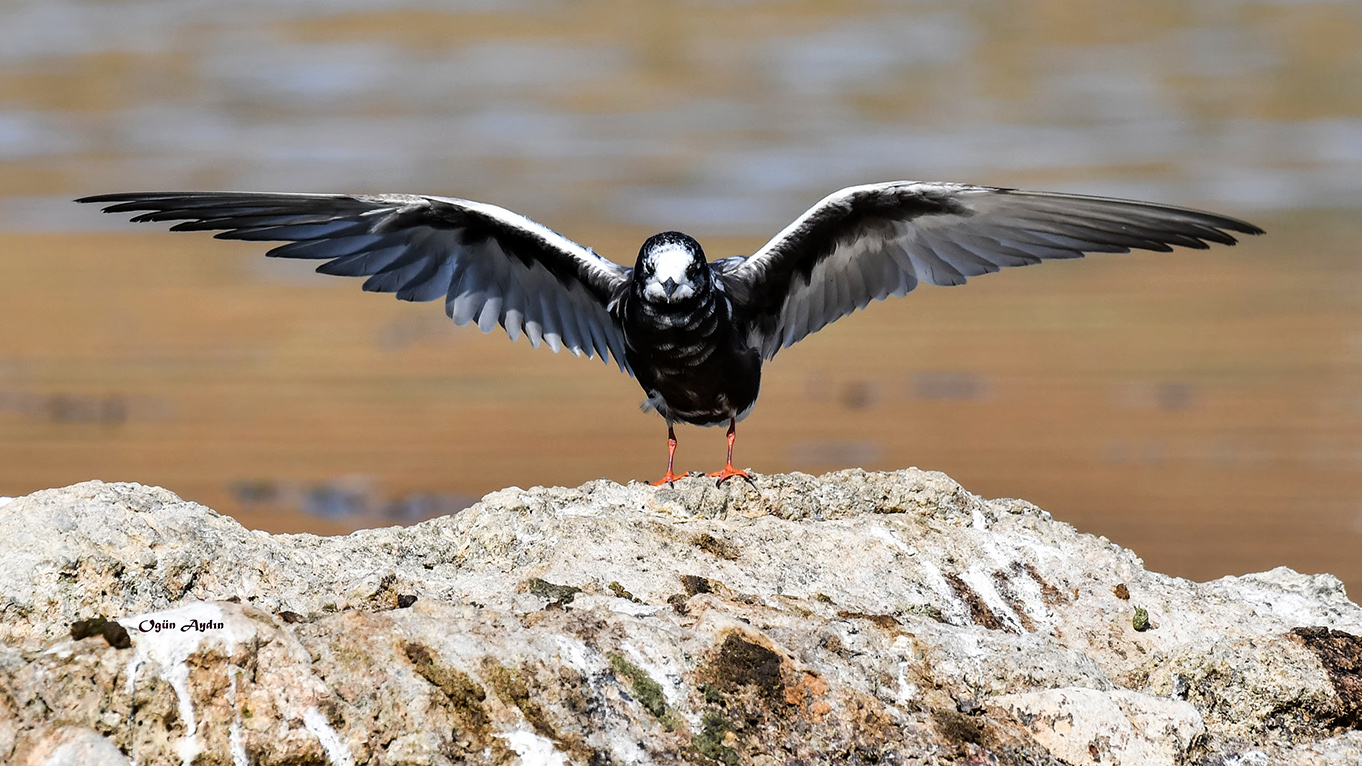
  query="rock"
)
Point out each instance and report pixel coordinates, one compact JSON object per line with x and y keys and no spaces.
{"x":852,"y":618}
{"x":1087,"y":726}
{"x":74,"y":746}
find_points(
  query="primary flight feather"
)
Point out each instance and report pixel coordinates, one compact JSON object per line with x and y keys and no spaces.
{"x":694,"y":333}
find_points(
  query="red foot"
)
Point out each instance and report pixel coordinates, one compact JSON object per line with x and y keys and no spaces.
{"x":669,"y":478}
{"x":727,"y":473}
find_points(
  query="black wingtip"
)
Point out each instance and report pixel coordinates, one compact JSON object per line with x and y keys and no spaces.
{"x":99,"y":199}
{"x":121,"y":202}
{"x":117,"y":197}
{"x":1236,"y":225}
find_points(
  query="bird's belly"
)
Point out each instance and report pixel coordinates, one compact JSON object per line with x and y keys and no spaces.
{"x":701,"y":391}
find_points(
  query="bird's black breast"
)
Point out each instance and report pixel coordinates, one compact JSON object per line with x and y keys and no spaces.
{"x":689,"y":360}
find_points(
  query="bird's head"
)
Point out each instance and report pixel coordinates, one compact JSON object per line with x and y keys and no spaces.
{"x":671,"y":268}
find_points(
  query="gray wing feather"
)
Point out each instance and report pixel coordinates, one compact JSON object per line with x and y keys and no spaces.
{"x":491,"y":266}
{"x":867,"y":243}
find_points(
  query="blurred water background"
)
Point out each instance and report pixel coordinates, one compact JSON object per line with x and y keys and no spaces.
{"x":1204,"y":409}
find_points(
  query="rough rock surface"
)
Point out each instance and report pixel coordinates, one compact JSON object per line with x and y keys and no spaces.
{"x":853,"y":618}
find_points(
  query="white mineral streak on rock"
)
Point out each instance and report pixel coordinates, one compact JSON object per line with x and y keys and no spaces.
{"x":952,"y":608}
{"x":977,"y":517}
{"x":336,"y":752}
{"x":533,"y":749}
{"x":169,"y":647}
{"x":238,"y":747}
{"x":1004,"y":552}
{"x":1031,"y":597}
{"x":624,"y":606}
{"x":907,"y":690}
{"x":657,"y":662}
{"x":573,"y":653}
{"x":1042,"y":551}
{"x":61,"y":651}
{"x":980,"y":579}
{"x":891,"y":540}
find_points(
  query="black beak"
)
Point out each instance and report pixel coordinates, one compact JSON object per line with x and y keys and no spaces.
{"x":669,"y":287}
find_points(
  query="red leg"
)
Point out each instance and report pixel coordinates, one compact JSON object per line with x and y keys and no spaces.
{"x":671,"y":455}
{"x":729,"y":471}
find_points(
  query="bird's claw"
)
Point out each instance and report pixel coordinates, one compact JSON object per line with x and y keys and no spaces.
{"x":729,"y":472}
{"x":669,"y":479}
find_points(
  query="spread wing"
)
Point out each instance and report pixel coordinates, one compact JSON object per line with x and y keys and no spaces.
{"x":491,"y":266}
{"x":867,"y":243}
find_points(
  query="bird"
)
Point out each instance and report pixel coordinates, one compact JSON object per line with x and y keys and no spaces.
{"x":694,"y":333}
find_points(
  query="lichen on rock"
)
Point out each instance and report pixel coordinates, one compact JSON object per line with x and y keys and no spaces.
{"x":851,"y":618}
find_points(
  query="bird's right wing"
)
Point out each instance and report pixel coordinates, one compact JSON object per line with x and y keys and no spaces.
{"x":867,"y":243}
{"x":491,"y":266}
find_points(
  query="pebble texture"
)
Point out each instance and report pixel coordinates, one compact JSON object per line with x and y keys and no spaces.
{"x":854,"y":618}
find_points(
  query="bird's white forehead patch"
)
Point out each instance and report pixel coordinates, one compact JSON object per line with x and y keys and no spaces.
{"x":670,"y":261}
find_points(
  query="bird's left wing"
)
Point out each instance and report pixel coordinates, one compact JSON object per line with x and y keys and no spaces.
{"x":867,"y":243}
{"x":491,"y":266}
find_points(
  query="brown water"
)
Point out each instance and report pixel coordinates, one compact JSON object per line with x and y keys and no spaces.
{"x":1204,"y":409}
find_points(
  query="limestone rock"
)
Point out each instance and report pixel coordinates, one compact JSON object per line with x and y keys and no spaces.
{"x":1119,"y":727}
{"x":852,"y":618}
